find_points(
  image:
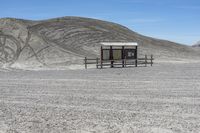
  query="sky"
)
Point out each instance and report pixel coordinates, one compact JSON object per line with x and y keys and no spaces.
{"x":174,"y":20}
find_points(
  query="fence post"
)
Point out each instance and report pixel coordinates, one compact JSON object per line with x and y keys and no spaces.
{"x":136,"y":62}
{"x":145,"y":60}
{"x":136,"y":56}
{"x":123,"y":58}
{"x":101,"y":60}
{"x":97,"y":61}
{"x":151,"y":60}
{"x":85,"y":62}
{"x":125,"y":61}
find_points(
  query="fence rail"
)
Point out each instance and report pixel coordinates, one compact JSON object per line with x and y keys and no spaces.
{"x":123,"y":62}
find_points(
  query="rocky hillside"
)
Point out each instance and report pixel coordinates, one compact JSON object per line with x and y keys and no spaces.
{"x":197,"y":44}
{"x":66,"y":41}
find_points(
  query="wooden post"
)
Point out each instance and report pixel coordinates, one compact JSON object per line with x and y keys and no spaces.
{"x":136,"y":58}
{"x":111,"y":57}
{"x":101,"y":57}
{"x":145,"y":60}
{"x":123,"y":56}
{"x":85,"y":62}
{"x":151,"y":60}
{"x":97,"y":62}
{"x":125,"y":61}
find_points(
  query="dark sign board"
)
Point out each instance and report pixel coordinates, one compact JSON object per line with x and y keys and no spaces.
{"x":130,"y":53}
{"x":117,"y":54}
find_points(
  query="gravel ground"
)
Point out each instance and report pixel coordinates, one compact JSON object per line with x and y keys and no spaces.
{"x":164,"y":98}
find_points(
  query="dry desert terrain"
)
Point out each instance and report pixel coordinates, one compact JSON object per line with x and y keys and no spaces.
{"x":164,"y":98}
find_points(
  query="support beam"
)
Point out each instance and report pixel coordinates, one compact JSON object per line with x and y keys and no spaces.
{"x":111,"y":57}
{"x":136,"y":58}
{"x":145,"y":60}
{"x":123,"y":57}
{"x":85,"y":62}
{"x":101,"y":57}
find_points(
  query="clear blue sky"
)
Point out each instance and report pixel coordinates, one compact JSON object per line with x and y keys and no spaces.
{"x":175,"y":20}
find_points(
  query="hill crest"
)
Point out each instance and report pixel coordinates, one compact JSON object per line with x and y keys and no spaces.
{"x":65,"y":41}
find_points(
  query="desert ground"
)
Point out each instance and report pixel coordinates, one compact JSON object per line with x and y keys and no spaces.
{"x":164,"y":98}
{"x":44,"y":87}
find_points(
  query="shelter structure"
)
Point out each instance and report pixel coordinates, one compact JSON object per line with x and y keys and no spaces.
{"x":118,"y":53}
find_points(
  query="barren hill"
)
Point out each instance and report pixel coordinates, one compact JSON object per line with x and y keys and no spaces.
{"x":197,"y":44}
{"x":66,"y":41}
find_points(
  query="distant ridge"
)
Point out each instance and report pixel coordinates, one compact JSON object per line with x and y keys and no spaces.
{"x":197,"y":44}
{"x":65,"y":41}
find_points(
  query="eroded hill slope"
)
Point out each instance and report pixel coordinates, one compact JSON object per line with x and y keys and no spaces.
{"x":66,"y":41}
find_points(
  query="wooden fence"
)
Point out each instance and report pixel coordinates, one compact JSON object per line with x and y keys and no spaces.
{"x":122,"y":62}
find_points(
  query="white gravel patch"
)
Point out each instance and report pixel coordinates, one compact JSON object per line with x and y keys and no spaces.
{"x":164,"y":98}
